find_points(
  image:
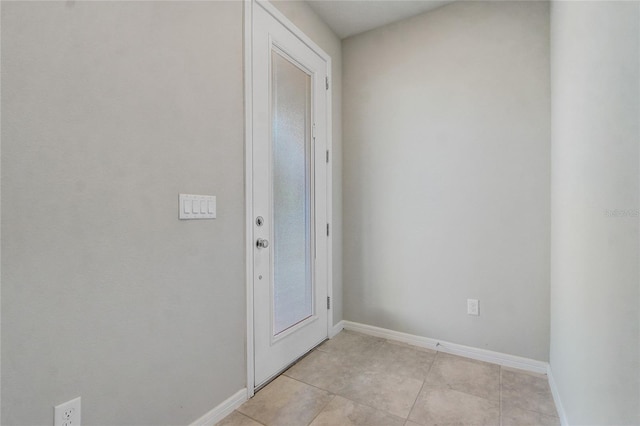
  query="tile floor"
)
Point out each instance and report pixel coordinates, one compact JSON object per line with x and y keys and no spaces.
{"x":354,"y":379}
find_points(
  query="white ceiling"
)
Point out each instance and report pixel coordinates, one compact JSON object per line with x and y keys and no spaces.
{"x":350,"y":17}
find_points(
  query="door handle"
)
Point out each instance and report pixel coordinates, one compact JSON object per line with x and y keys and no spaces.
{"x":262,"y":243}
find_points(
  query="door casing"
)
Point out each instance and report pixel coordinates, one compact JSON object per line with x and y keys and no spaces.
{"x":249,"y":6}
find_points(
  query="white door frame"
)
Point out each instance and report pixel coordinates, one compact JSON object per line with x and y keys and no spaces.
{"x":248,"y":176}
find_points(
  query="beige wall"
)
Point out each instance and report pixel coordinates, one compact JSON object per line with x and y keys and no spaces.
{"x":306,"y":19}
{"x":595,"y":327}
{"x":109,"y":111}
{"x":446,"y":175}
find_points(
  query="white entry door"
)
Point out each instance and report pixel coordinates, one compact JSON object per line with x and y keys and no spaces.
{"x":289,"y":182}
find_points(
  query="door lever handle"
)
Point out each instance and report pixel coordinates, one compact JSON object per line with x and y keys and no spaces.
{"x":262,"y":243}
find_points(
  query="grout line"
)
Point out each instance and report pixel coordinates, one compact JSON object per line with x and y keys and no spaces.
{"x":416,"y":399}
{"x":435,"y":357}
{"x":448,"y":386}
{"x":424,"y":382}
{"x":373,"y":408}
{"x":246,"y":415}
{"x":313,"y":386}
{"x":333,"y":396}
{"x":377,"y":348}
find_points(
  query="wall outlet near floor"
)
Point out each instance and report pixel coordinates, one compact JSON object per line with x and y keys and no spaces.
{"x":473,"y":307}
{"x":67,"y":414}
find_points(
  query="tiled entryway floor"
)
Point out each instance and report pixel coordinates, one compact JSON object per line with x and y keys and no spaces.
{"x":354,"y":379}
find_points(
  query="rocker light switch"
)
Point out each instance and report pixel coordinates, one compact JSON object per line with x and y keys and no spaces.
{"x":197,"y":206}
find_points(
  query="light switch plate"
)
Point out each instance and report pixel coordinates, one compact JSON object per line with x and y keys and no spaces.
{"x":193,"y":206}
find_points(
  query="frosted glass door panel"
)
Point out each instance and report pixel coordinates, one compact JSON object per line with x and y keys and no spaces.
{"x":291,"y":139}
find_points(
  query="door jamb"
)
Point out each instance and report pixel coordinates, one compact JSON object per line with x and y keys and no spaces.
{"x":248,"y":6}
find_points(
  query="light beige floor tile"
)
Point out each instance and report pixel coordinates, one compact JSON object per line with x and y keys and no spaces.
{"x":341,"y":411}
{"x":410,"y":423}
{"x":324,"y":370}
{"x":513,"y":416}
{"x":402,"y":360}
{"x":286,"y":401}
{"x":351,"y":346}
{"x":385,"y":391}
{"x":527,"y":392}
{"x":237,"y":419}
{"x":444,"y":406}
{"x":466,"y":375}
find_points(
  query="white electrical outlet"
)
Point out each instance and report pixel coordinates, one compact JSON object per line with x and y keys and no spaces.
{"x":473,"y":307}
{"x":67,"y":414}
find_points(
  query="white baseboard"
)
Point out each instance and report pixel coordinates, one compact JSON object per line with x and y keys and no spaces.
{"x":556,"y":397}
{"x":336,"y":329}
{"x":452,"y":348}
{"x":223,"y":409}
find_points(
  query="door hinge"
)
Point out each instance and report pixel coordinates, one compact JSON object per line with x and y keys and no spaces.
{"x":327,"y":229}
{"x":313,"y":131}
{"x":328,"y":302}
{"x":327,"y":156}
{"x":326,"y":81}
